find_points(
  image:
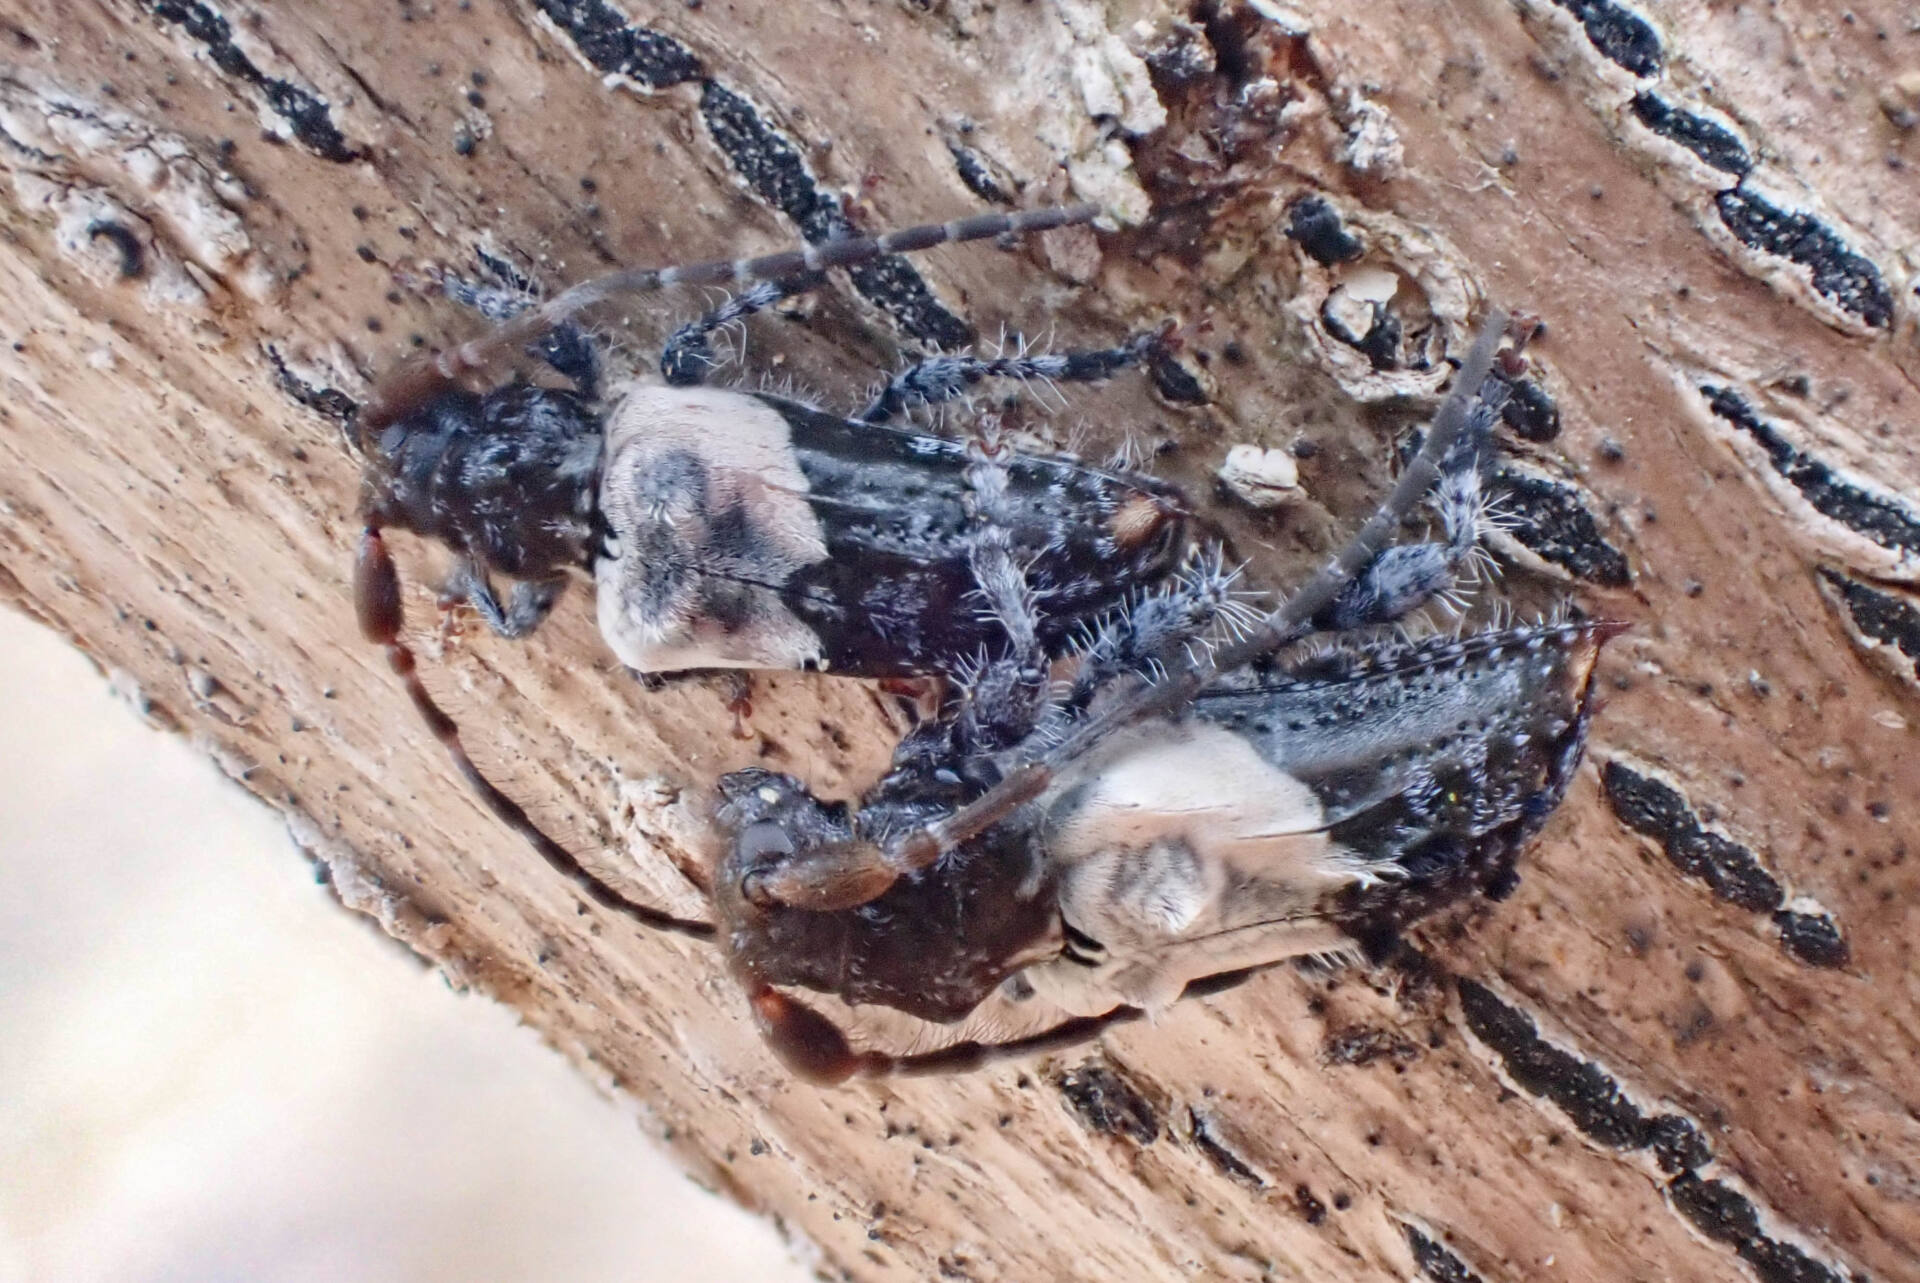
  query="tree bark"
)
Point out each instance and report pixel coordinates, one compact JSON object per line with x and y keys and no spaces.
{"x":1683,"y":1050}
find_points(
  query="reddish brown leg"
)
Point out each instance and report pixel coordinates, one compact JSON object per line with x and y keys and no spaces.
{"x":1522,"y":328}
{"x":824,"y":878}
{"x":807,"y":1043}
{"x":418,"y":380}
{"x":741,"y":705}
{"x":376,"y":596}
{"x":405,"y":389}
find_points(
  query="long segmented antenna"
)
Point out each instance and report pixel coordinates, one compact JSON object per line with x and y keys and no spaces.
{"x":415,"y":381}
{"x":920,"y":848}
{"x":377,"y":603}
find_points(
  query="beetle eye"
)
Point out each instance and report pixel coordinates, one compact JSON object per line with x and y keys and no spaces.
{"x":760,"y":840}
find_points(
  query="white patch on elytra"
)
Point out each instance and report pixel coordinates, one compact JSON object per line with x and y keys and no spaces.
{"x":1261,"y":478}
{"x":1185,"y":853}
{"x":745,"y":450}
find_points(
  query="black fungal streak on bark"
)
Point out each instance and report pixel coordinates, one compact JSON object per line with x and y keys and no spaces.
{"x":767,"y":162}
{"x":1727,"y":1216}
{"x":1218,"y":1153}
{"x":1593,"y":1100}
{"x":133,"y":255}
{"x":973,"y":172}
{"x":1435,"y":1261}
{"x":1677,"y":1144}
{"x":303,"y":110}
{"x":1812,"y":938}
{"x":1879,"y":615}
{"x":899,"y":291}
{"x":1728,"y":868}
{"x":608,"y":41}
{"x":1584,"y":1092}
{"x":1879,"y":519}
{"x":1730,"y":871}
{"x":1621,"y":36}
{"x":1551,"y":522}
{"x":1109,"y":1104}
{"x":1707,"y":139}
{"x":330,"y":402}
{"x":1316,"y":228}
{"x":1851,"y":281}
{"x":773,"y":168}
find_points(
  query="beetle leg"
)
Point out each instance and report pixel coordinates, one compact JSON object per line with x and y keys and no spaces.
{"x":377,"y":602}
{"x":688,"y":356}
{"x":529,"y":601}
{"x":814,"y":1048}
{"x":943,"y":377}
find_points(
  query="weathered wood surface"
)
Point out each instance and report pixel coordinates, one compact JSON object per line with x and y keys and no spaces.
{"x":1725,"y":1089}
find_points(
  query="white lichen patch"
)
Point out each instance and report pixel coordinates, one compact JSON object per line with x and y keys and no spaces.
{"x":88,"y":164}
{"x":1112,"y":79}
{"x":1105,"y":176}
{"x":1085,"y":91}
{"x":1260,"y":478}
{"x":1372,"y":146}
{"x":1828,"y":445}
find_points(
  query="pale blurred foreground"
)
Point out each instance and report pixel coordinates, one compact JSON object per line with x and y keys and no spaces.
{"x":210,"y":1071}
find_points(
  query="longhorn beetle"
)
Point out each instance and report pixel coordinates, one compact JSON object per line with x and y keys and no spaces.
{"x":735,"y":529}
{"x":1151,"y":828}
{"x":1182,"y":809}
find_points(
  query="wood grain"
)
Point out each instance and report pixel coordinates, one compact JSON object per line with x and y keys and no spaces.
{"x":1653,"y":1062}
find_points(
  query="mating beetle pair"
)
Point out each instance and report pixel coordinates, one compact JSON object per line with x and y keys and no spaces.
{"x":1130,"y":790}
